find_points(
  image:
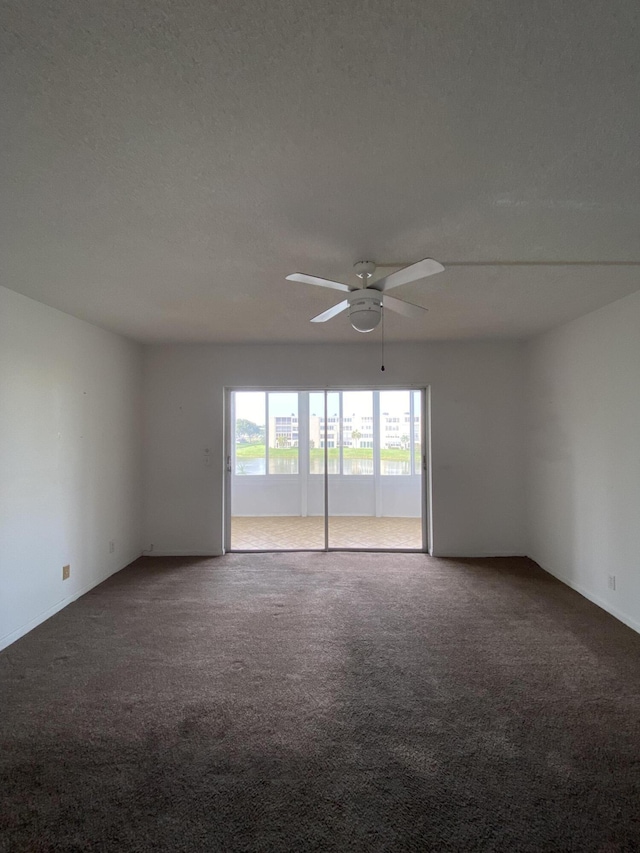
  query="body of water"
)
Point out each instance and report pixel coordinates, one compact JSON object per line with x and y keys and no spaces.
{"x":351,"y":467}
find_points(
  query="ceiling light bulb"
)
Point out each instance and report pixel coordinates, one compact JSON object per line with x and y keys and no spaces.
{"x":365,"y":319}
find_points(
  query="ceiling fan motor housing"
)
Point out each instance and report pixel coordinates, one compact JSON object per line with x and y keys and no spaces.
{"x":365,"y":310}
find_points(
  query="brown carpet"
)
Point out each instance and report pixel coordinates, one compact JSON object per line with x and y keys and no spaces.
{"x":323,"y":702}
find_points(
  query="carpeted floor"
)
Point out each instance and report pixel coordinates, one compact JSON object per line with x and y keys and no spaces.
{"x":323,"y":702}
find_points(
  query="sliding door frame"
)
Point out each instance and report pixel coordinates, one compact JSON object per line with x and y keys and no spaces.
{"x":425,"y":462}
{"x":228,"y":433}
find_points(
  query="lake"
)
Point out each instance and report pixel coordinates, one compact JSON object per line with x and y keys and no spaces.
{"x":388,"y":467}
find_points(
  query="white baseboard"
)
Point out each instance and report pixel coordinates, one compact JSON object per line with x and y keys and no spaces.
{"x":8,"y":639}
{"x":463,"y":556}
{"x":591,"y":596}
{"x":182,"y":553}
{"x":475,"y":555}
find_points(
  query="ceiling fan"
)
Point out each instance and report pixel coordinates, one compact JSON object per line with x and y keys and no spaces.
{"x":365,"y":303}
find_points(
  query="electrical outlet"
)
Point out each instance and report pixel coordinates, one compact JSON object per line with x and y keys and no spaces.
{"x":66,"y":573}
{"x":611,"y":581}
{"x":112,"y":546}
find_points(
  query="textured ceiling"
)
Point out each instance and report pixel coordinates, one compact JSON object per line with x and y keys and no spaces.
{"x":164,"y":165}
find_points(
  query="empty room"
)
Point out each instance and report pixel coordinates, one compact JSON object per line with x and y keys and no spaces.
{"x":320,"y":426}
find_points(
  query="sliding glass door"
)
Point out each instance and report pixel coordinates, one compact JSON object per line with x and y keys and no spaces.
{"x":375,"y":495}
{"x":336,"y":469}
{"x":275,"y":503}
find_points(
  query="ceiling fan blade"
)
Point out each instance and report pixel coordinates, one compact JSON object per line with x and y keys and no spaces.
{"x":407,"y":309}
{"x":414,"y":272}
{"x":321,"y":282}
{"x":327,"y":315}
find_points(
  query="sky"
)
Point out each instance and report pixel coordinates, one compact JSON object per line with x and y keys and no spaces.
{"x":251,"y":404}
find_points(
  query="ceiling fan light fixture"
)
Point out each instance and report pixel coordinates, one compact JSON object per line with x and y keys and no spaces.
{"x":365,"y":312}
{"x":364,"y":321}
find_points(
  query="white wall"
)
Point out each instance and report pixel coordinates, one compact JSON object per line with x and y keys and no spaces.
{"x":70,"y":459}
{"x":584,"y":461}
{"x":477,"y":397}
{"x":71,"y":456}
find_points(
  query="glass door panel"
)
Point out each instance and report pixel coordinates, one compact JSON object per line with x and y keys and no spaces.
{"x":375,"y":499}
{"x":270,"y":482}
{"x":333,"y":433}
{"x":249,"y":453}
{"x":351,"y":489}
{"x":417,"y":458}
{"x":399,"y":505}
{"x":311,"y":482}
{"x":284,"y":433}
{"x":358,"y":434}
{"x":250,"y":419}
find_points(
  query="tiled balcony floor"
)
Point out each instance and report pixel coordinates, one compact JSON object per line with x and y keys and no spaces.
{"x":284,"y":533}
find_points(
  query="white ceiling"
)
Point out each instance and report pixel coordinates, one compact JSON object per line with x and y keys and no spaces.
{"x":164,"y":165}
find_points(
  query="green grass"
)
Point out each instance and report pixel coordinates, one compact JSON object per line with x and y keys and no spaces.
{"x":257,"y":451}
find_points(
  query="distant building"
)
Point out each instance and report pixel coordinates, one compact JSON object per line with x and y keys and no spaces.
{"x":395,"y":431}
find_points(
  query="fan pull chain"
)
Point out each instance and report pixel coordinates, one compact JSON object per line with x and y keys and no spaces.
{"x":382,"y":329}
